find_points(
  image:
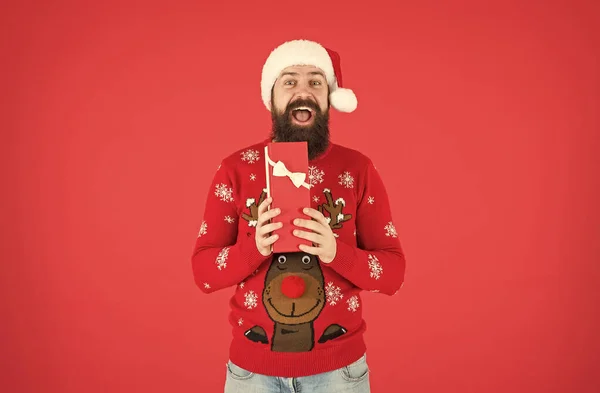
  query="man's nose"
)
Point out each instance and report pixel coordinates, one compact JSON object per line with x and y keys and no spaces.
{"x":303,"y":89}
{"x":304,"y":95}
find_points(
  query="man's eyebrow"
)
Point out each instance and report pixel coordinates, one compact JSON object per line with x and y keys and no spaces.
{"x":296,"y":73}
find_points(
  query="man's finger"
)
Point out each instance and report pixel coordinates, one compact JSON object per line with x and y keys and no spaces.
{"x":313,"y":237}
{"x":310,"y":250}
{"x":268,"y":241}
{"x":263,"y":205}
{"x":262,"y":218}
{"x":317,"y":215}
{"x":269,"y":228}
{"x":310,"y":224}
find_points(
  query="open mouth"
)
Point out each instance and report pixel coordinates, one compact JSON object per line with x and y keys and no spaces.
{"x":302,"y":115}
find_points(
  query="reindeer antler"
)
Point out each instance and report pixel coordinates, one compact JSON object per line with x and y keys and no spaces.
{"x":251,"y":203}
{"x":336,"y":216}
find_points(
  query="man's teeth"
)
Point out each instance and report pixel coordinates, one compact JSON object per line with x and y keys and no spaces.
{"x":303,"y":108}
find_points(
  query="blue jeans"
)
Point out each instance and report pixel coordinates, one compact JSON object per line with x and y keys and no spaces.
{"x":353,"y":378}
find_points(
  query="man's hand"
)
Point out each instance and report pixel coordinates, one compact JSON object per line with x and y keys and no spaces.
{"x":321,"y":235}
{"x":263,"y":228}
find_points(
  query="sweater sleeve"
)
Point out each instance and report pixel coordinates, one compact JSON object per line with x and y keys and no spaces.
{"x":220,"y":258}
{"x":378,"y":263}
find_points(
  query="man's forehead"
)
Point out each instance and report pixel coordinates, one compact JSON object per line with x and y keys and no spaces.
{"x":302,"y":70}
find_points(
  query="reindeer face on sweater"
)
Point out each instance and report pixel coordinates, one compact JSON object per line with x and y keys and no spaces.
{"x":293,"y":291}
{"x":294,"y":294}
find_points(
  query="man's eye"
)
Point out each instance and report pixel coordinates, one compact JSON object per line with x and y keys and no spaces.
{"x":288,"y":83}
{"x":316,"y":82}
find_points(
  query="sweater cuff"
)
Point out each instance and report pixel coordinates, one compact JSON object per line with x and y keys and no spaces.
{"x":250,"y":255}
{"x":345,"y":258}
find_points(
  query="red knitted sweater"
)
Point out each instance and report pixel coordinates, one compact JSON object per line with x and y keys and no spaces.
{"x":292,"y":315}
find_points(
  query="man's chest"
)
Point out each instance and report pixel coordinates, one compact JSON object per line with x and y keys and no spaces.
{"x":333,"y":192}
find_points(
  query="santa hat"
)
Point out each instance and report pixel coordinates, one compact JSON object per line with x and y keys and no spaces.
{"x":304,"y":52}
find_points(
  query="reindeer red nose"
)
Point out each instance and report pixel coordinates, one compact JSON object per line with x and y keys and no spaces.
{"x":293,"y":286}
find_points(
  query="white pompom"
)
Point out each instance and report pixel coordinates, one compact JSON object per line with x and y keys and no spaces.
{"x":343,"y":100}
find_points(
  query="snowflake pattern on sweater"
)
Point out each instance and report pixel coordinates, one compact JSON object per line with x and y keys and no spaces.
{"x":315,"y":175}
{"x":346,"y":179}
{"x":221,"y":260}
{"x":353,"y":303}
{"x":375,"y":267}
{"x":229,"y":219}
{"x":251,"y":300}
{"x":250,"y":156}
{"x":203,"y":229}
{"x":390,"y":230}
{"x":224,"y":193}
{"x":333,"y":293}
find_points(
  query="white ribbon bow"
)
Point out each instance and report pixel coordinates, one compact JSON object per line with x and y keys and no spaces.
{"x":280,"y":170}
{"x":297,"y":177}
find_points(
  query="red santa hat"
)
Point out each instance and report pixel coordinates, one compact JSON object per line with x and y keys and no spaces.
{"x":304,"y":52}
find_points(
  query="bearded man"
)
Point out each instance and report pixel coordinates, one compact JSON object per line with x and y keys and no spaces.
{"x":306,"y":333}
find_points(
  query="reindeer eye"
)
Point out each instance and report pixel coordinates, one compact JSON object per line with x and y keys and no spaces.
{"x":281,"y":259}
{"x":306,"y":259}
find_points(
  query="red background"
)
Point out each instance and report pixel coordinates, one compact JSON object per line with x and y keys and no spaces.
{"x":482,"y":120}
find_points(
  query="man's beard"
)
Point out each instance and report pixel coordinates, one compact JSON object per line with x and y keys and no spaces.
{"x":316,"y":135}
